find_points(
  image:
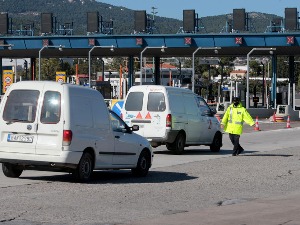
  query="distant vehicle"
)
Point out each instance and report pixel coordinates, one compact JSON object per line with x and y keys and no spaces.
{"x":55,"y":126}
{"x":172,"y":116}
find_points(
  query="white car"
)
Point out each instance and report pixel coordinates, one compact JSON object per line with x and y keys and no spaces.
{"x":63,"y":127}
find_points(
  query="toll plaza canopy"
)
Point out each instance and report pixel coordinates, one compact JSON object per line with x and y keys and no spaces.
{"x":177,"y":45}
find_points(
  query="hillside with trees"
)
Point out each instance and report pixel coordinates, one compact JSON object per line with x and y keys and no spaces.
{"x":23,"y":12}
{"x":75,"y":11}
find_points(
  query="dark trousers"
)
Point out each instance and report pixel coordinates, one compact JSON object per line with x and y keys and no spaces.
{"x":235,"y":140}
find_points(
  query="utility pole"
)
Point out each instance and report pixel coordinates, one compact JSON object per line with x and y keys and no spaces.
{"x":153,"y":14}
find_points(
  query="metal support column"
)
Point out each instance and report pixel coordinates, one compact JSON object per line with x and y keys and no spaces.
{"x":32,"y":69}
{"x":274,"y":81}
{"x":157,"y":71}
{"x":291,"y":76}
{"x":130,"y":71}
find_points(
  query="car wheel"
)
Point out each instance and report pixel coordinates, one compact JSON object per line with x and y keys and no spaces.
{"x":179,"y":144}
{"x":11,"y":170}
{"x":217,"y":143}
{"x":84,"y":169}
{"x":143,"y":165}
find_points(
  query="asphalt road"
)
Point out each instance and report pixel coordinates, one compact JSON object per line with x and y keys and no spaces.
{"x":176,"y":184}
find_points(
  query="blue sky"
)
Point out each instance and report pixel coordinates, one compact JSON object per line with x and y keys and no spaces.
{"x":174,"y":8}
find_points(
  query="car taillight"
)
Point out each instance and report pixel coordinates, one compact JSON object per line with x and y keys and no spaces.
{"x":67,"y":137}
{"x":169,"y":120}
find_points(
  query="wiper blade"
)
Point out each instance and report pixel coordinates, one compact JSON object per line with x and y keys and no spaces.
{"x":15,"y":120}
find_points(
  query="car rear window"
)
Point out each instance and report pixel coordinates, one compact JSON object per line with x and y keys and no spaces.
{"x":21,"y":106}
{"x":51,"y":108}
{"x":134,"y":101}
{"x":156,"y":102}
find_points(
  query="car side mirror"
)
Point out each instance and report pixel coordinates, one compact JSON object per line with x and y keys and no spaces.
{"x":135,"y":127}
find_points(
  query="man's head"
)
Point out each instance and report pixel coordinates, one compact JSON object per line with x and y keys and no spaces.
{"x":236,"y":101}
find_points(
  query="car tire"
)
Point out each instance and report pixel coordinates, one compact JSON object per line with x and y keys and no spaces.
{"x":10,"y":170}
{"x":179,"y":144}
{"x":143,"y":165}
{"x":84,"y":169}
{"x":217,"y":143}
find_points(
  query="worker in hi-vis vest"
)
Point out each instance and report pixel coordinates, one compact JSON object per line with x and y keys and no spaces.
{"x":233,"y":121}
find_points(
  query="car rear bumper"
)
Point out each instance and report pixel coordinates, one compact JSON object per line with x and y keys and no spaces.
{"x":169,"y":138}
{"x":67,"y":160}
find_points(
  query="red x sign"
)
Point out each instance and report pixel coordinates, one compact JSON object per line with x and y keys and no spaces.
{"x":238,"y":40}
{"x":45,"y":42}
{"x":290,"y":40}
{"x":187,"y":41}
{"x":91,"y":41}
{"x":139,"y":41}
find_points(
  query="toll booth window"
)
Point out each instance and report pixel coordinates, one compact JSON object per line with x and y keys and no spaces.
{"x":221,"y":107}
{"x":51,"y":108}
{"x":281,"y":109}
{"x":134,"y":101}
{"x":21,"y":106}
{"x":156,"y":102}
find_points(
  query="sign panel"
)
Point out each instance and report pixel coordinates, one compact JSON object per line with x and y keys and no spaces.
{"x":7,"y":79}
{"x":255,"y":99}
{"x":61,"y":76}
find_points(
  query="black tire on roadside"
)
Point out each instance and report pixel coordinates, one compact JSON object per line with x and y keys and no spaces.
{"x":10,"y":170}
{"x":84,"y":169}
{"x":179,"y":144}
{"x":143,"y":165}
{"x":217,"y":143}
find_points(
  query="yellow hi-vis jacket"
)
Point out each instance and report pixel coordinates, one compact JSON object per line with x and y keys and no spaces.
{"x":234,"y":118}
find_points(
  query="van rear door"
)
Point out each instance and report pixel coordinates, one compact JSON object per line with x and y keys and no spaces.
{"x":155,"y":114}
{"x":50,"y":122}
{"x":19,"y":120}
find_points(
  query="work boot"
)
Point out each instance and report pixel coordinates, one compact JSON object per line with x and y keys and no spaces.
{"x":240,"y":151}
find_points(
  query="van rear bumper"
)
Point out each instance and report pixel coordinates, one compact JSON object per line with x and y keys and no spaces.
{"x":67,"y":160}
{"x":169,"y":138}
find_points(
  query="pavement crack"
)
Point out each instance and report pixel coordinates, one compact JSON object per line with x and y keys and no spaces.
{"x":285,"y":222}
{"x":13,"y":218}
{"x":170,"y":212}
{"x":232,"y":201}
{"x":284,"y":175}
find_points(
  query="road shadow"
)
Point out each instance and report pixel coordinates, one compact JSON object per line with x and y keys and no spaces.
{"x":118,"y":177}
{"x":265,"y":154}
{"x":199,"y":152}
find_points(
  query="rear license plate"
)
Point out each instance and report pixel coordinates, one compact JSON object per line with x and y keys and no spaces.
{"x":19,"y":138}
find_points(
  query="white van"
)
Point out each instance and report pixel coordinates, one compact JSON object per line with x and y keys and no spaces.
{"x":172,"y":116}
{"x":47,"y":125}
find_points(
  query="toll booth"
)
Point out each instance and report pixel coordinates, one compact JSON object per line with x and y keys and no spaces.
{"x":103,"y":87}
{"x":283,"y":111}
{"x":282,"y":95}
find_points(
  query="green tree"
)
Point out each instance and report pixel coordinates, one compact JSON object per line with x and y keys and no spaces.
{"x":49,"y":67}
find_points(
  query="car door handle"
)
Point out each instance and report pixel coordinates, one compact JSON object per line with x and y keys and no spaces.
{"x":117,"y":137}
